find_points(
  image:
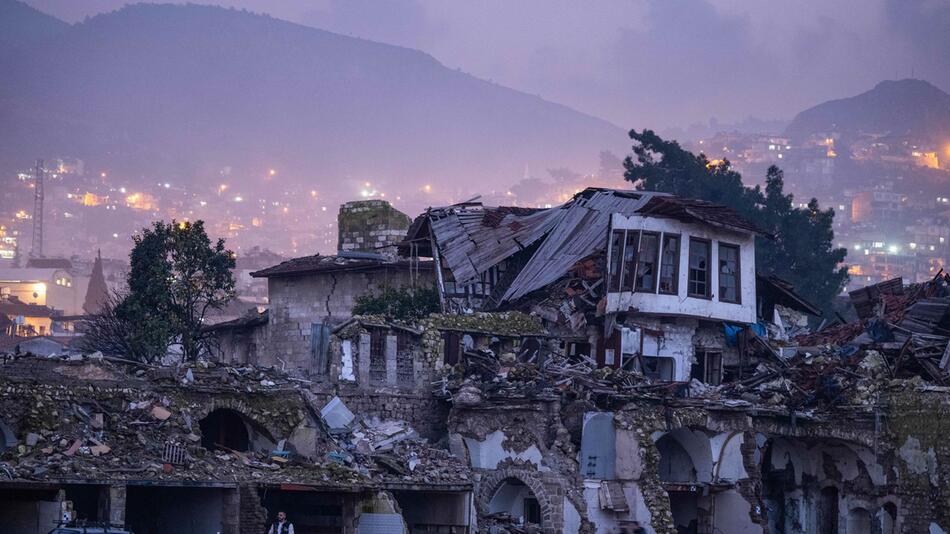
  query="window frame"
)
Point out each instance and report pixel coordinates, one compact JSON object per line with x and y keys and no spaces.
{"x":656,"y":263}
{"x":615,"y":259}
{"x":738,"y":274}
{"x":630,"y":266}
{"x":702,"y":357}
{"x":676,"y":264}
{"x":708,"y":244}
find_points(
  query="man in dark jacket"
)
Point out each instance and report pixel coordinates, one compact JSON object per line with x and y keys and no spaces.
{"x":282,"y":526}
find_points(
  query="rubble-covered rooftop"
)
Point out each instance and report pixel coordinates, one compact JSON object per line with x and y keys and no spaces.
{"x":88,"y":419}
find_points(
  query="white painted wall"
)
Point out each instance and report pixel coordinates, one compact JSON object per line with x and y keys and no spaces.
{"x":488,"y":453}
{"x":727,"y":457}
{"x":680,"y":304}
{"x":732,"y":514}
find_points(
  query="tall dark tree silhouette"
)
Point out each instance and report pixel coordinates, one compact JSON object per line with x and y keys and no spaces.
{"x":802,"y":250}
{"x":176,"y":276}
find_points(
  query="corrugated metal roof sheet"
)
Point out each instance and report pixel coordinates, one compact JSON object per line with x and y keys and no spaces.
{"x":473,"y":238}
{"x":581,"y":232}
{"x":470,"y":245}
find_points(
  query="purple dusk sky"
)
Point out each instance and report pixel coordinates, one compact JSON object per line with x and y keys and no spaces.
{"x":645,"y":63}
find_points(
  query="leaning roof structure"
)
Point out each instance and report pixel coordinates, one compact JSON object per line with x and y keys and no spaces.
{"x":473,"y":238}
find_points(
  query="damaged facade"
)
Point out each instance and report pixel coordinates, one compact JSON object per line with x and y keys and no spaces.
{"x":610,"y":362}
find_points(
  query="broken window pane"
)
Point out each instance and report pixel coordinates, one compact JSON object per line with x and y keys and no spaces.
{"x":728,"y":273}
{"x":670,"y":264}
{"x":616,"y":253}
{"x":629,"y":260}
{"x":646,"y":264}
{"x":698,"y":268}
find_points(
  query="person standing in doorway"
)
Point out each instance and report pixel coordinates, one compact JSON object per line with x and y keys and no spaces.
{"x":282,"y":526}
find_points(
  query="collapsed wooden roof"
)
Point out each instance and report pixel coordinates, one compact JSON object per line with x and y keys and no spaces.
{"x":473,"y":238}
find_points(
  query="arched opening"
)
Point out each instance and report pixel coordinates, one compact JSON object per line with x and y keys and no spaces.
{"x":686,"y":462}
{"x":888,"y":518}
{"x":514,"y":497}
{"x":685,"y":456}
{"x":859,"y":521}
{"x":828,"y":511}
{"x":675,"y":463}
{"x":224,"y":428}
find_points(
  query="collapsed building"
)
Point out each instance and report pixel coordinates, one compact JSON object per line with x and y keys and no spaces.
{"x":613,"y":361}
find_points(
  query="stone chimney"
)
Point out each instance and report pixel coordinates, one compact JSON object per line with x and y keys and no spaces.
{"x":371,"y":226}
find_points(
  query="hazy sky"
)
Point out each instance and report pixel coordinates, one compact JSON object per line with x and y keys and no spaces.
{"x":646,"y":63}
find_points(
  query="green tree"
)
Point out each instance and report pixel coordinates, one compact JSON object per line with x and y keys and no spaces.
{"x":802,"y":250}
{"x":176,"y":276}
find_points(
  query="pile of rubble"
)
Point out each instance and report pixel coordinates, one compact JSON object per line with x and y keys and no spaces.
{"x":390,"y":450}
{"x":902,"y":333}
{"x":93,"y":419}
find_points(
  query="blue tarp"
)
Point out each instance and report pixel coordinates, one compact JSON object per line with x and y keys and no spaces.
{"x":732,"y":330}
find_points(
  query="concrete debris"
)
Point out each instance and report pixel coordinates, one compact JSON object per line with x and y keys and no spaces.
{"x":160,"y":413}
{"x":337,"y":416}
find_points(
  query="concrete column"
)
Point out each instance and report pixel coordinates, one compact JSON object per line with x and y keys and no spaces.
{"x":391,"y":360}
{"x":117,"y":505}
{"x":363,"y":360}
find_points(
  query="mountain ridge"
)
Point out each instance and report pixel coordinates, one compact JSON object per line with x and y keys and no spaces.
{"x":191,"y":89}
{"x":892,"y":107}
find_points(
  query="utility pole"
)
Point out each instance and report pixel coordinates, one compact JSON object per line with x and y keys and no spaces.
{"x":36,"y":251}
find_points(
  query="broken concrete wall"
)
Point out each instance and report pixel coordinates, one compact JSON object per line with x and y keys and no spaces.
{"x":917,"y":430}
{"x":427,"y":415}
{"x":668,"y":338}
{"x":242,"y":346}
{"x":299,"y":302}
{"x":521,"y":451}
{"x":375,"y":355}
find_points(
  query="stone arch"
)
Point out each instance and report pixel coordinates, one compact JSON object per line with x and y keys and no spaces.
{"x":233,"y":430}
{"x":730,"y":464}
{"x":685,"y":453}
{"x":265,"y":426}
{"x":551,"y":509}
{"x":887,"y":517}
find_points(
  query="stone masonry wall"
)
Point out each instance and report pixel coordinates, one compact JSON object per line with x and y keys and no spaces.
{"x":298,"y":302}
{"x":371,"y":226}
